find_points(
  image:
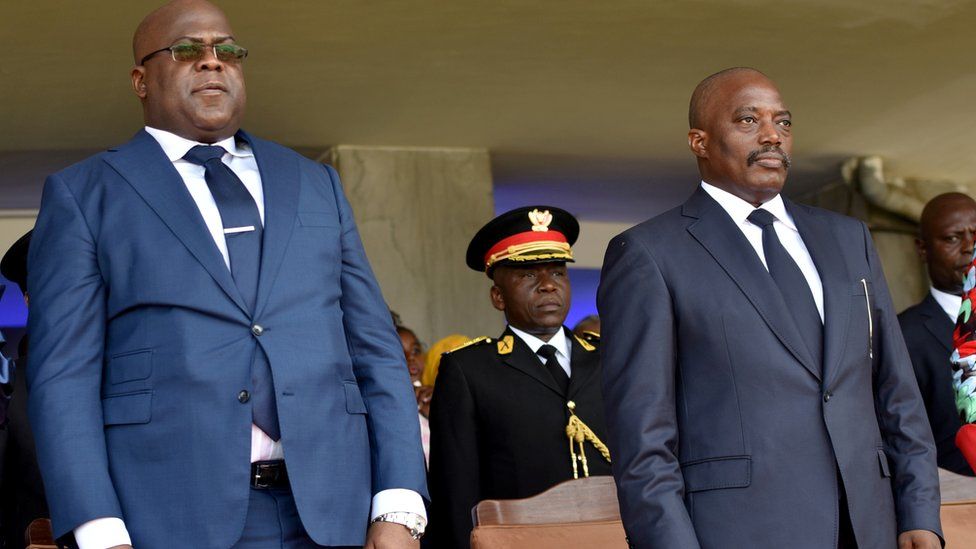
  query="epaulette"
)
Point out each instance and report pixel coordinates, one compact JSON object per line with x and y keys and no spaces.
{"x":589,"y":340}
{"x":476,"y":341}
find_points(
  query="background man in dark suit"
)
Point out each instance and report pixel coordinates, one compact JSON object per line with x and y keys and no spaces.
{"x":501,"y":407}
{"x":21,"y":489}
{"x":947,"y":231}
{"x":207,"y":337}
{"x":757,"y":387}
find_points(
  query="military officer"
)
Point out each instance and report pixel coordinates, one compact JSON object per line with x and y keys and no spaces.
{"x":513,"y":416}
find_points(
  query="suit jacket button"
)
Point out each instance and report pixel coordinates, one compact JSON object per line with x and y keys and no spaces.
{"x":827,"y":396}
{"x":257,"y":329}
{"x":243,"y":397}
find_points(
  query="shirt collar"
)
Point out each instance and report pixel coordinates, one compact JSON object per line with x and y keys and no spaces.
{"x":175,"y":147}
{"x":949,"y":303}
{"x":739,"y":209}
{"x":559,"y":341}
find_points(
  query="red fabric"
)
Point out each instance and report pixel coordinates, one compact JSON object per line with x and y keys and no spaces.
{"x":525,"y":238}
{"x":966,"y":441}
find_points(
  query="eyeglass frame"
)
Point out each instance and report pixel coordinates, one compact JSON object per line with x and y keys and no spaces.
{"x":213,"y":48}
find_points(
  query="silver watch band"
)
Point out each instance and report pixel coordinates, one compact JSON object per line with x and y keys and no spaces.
{"x":411,"y":521}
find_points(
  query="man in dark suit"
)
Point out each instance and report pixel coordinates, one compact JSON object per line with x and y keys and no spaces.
{"x":21,"y":489}
{"x":501,"y":408}
{"x":947,"y":230}
{"x":207,"y":337}
{"x":757,"y":387}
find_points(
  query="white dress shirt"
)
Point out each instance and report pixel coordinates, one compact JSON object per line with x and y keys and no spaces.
{"x":110,"y":531}
{"x":786,"y":230}
{"x":559,"y":341}
{"x":949,"y":303}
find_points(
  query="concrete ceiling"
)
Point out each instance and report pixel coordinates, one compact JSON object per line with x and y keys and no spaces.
{"x":582,"y":103}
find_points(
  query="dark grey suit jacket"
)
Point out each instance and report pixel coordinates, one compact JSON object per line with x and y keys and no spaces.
{"x":724,"y":431}
{"x":928,"y":335}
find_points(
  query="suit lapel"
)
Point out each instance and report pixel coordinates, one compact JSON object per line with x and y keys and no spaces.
{"x":837,"y":284}
{"x":280,"y":178}
{"x":143,"y":164}
{"x":937,"y":323}
{"x":719,"y":235}
{"x":524,"y":360}
{"x":583,"y":365}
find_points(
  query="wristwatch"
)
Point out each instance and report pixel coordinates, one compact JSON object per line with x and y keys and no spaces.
{"x":412,"y":521}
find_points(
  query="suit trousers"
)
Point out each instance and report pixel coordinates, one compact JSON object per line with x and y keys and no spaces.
{"x":272,"y":522}
{"x":845,"y":534}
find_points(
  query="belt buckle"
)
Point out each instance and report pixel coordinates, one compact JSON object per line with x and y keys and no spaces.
{"x":265,"y":475}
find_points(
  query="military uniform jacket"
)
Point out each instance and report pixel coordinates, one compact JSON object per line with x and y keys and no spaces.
{"x":498,"y":428}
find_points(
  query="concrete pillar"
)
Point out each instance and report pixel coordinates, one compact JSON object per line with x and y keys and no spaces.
{"x":417,"y":209}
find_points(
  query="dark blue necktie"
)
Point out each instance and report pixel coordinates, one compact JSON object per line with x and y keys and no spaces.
{"x":242,"y":231}
{"x":548,"y":352}
{"x":792,"y":285}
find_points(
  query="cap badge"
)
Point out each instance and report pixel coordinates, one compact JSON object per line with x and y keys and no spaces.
{"x":540,"y":220}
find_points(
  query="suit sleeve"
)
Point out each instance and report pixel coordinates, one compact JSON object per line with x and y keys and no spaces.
{"x":639,"y":368}
{"x":454,"y":467}
{"x":378,"y":363}
{"x":67,"y":329}
{"x":901,"y":415}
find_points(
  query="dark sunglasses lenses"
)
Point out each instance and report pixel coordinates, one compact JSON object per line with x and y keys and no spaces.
{"x":194,"y":52}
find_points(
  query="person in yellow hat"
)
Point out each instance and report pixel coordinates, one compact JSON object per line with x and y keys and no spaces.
{"x":432,"y":363}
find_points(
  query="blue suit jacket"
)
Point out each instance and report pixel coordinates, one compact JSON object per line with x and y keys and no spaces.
{"x":141,"y":343}
{"x":723,"y":430}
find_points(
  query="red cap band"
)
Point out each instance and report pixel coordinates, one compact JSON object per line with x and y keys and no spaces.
{"x":527,"y":237}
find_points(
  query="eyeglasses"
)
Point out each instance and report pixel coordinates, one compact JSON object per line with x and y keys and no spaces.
{"x":191,"y":53}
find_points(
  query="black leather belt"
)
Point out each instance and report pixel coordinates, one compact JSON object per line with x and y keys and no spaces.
{"x":269,"y":474}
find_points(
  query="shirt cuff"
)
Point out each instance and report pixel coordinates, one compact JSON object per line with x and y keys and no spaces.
{"x":102,"y":533}
{"x":397,"y":500}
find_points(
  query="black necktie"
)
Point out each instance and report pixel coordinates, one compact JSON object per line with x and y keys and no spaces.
{"x":242,"y":231}
{"x":548,"y":352}
{"x":792,"y":285}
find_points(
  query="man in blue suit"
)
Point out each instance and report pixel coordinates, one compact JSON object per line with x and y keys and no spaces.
{"x":212,"y":363}
{"x":757,"y":386}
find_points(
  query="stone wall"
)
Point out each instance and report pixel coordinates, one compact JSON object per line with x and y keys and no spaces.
{"x":417,"y":209}
{"x":893,"y":234}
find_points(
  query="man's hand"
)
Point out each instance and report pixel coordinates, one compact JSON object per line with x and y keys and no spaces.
{"x":121,"y":547}
{"x":918,"y":539}
{"x":390,"y":535}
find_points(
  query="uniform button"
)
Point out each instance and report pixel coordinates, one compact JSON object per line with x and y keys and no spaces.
{"x":827,"y":396}
{"x":257,"y":329}
{"x":243,"y":397}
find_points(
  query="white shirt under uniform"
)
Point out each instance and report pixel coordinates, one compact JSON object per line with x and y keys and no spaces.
{"x":559,"y":341}
{"x":110,"y":531}
{"x":786,"y":230}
